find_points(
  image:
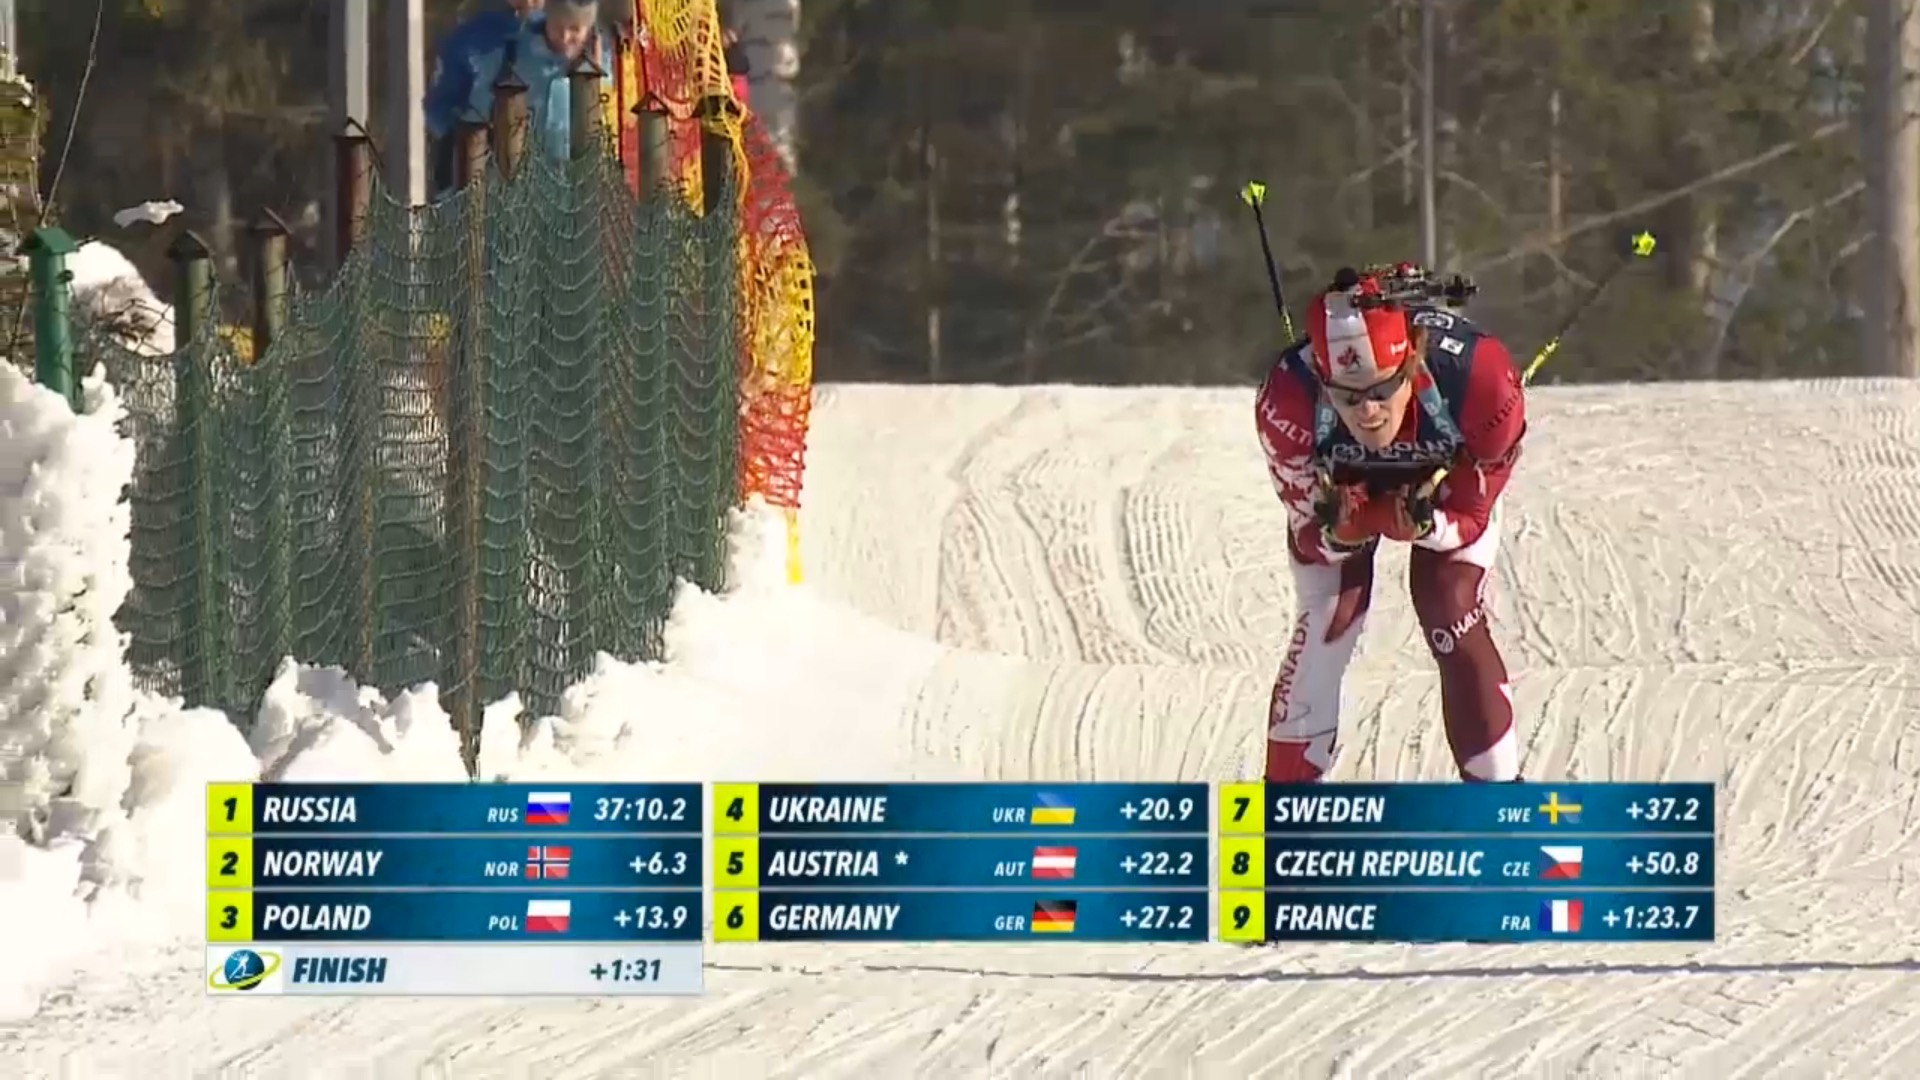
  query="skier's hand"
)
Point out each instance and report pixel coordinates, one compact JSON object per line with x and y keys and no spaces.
{"x":1346,"y":516}
{"x":1351,"y":518}
{"x":1403,"y":514}
{"x":1419,"y":503}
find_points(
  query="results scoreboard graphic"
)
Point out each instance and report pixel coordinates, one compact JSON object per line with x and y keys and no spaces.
{"x":602,"y":889}
{"x":960,"y":862}
{"x":1466,"y":862}
{"x":427,"y":889}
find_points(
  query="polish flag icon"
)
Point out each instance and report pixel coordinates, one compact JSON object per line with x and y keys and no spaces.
{"x":549,"y":916}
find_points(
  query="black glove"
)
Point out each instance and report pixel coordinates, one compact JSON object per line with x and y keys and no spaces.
{"x":1420,"y":502}
{"x":1335,"y":507}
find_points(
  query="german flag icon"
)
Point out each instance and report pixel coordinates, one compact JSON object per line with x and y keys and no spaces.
{"x":1054,"y":916}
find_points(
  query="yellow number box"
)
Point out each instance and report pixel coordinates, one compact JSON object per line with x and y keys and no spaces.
{"x":736,"y":809}
{"x":229,"y":808}
{"x":736,"y":915}
{"x":229,"y":916}
{"x":1243,"y":809}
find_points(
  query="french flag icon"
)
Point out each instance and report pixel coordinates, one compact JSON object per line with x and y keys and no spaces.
{"x":549,"y":807}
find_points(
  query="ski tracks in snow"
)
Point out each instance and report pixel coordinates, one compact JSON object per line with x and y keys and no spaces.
{"x":1700,"y":582}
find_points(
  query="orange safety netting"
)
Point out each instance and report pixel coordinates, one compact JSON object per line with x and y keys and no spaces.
{"x":778,"y":383}
{"x":675,"y":53}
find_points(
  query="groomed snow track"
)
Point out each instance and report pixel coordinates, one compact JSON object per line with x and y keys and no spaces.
{"x":1702,"y":582}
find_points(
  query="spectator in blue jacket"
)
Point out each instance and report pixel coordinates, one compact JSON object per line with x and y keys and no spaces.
{"x":541,"y":54}
{"x":451,"y":87}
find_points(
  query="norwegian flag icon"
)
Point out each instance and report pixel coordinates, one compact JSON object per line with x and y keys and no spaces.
{"x":548,"y":862}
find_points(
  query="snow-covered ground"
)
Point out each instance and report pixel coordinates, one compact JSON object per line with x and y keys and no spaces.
{"x":1703,"y":582}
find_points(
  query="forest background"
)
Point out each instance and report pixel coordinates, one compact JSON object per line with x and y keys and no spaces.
{"x":1019,"y":192}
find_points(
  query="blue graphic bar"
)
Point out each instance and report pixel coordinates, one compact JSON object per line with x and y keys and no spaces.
{"x":474,"y":862}
{"x":971,"y":862}
{"x":1431,"y":916}
{"x":1064,"y":915}
{"x":1036,"y":809}
{"x":1455,"y":808}
{"x":520,"y":809}
{"x":1301,"y":862}
{"x":267,"y":915}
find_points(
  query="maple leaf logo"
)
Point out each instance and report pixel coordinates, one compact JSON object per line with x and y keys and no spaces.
{"x":1348,"y":359}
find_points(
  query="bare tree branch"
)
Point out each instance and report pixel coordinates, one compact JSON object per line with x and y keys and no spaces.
{"x":1534,"y":244}
{"x":1819,"y":31}
{"x":1749,"y":265}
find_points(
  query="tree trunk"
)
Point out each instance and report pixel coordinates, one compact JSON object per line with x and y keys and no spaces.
{"x":1448,"y":47}
{"x":1407,"y":37}
{"x":1892,"y":149}
{"x":1365,"y":150}
{"x":1693,"y":222}
{"x":770,"y":33}
{"x":213,"y":187}
{"x":1556,"y":188}
{"x":930,"y":165}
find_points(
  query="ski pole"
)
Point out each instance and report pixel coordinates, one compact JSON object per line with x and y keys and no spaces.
{"x":1255,"y":195}
{"x":1642,"y":247}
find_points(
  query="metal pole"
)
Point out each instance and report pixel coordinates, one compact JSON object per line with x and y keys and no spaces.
{"x":47,"y":252}
{"x":9,"y":41}
{"x":1429,"y":225}
{"x":405,"y":142}
{"x":348,"y":93}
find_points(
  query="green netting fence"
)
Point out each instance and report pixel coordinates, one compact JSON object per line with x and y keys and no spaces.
{"x":485,"y":453}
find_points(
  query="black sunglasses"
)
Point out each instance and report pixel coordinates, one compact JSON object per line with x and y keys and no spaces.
{"x":1379,"y":391}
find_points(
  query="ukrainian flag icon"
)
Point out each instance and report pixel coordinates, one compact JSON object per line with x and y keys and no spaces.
{"x":1049,"y":809}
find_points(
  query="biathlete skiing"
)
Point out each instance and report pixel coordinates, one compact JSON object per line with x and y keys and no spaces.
{"x":1396,"y":419}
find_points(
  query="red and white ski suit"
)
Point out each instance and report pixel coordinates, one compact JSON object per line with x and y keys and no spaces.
{"x":1472,"y":379}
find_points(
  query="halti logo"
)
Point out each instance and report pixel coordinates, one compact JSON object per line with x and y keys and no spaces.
{"x":1445,"y":639}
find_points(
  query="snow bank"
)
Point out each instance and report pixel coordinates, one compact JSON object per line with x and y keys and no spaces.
{"x":107,"y":285}
{"x":102,"y":786}
{"x":764,"y":682}
{"x":103,"y":813}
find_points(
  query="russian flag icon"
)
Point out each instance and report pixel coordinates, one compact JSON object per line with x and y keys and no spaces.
{"x":549,"y":807}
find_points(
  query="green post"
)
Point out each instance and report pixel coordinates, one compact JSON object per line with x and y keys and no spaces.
{"x":193,"y":287}
{"x":47,"y":250}
{"x":726,"y":344}
{"x":270,"y":292}
{"x":200,"y":653}
{"x":272,"y":300}
{"x":716,"y":150}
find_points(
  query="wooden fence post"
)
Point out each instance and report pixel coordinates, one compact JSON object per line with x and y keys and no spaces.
{"x":583,"y":122}
{"x":656,"y":146}
{"x":509,"y":122}
{"x":353,"y":180}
